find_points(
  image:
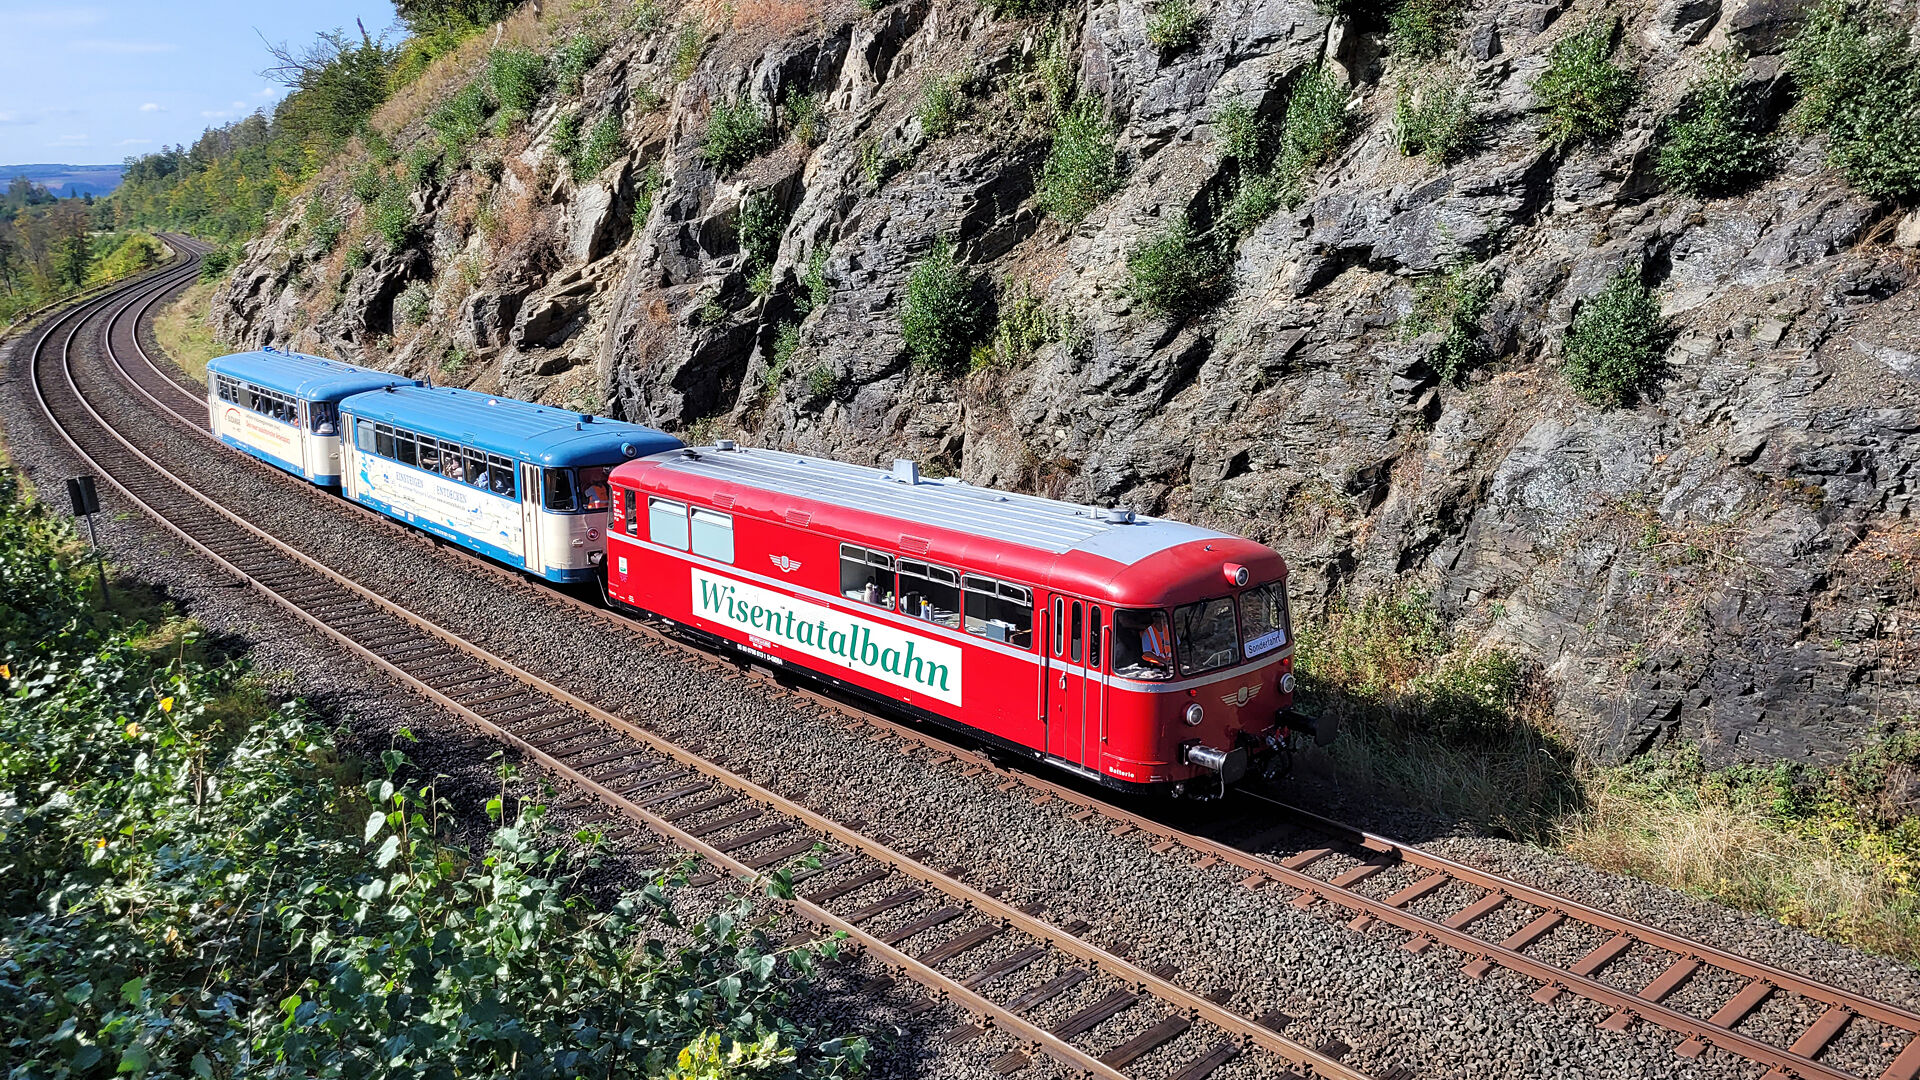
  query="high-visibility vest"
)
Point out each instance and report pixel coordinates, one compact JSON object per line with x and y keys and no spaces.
{"x":1153,"y":642}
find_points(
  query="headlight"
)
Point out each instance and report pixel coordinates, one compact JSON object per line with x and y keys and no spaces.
{"x":1195,"y":714}
{"x":1286,"y":684}
{"x":598,"y":557}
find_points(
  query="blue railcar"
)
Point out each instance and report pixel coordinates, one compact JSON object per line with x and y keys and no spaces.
{"x":524,"y":484}
{"x":284,"y":408}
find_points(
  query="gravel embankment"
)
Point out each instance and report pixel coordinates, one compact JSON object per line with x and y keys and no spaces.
{"x":1393,"y":1007}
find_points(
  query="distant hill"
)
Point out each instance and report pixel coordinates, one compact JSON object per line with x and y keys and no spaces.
{"x":67,"y":180}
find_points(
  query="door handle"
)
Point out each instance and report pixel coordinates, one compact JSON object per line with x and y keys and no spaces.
{"x":1063,"y":680}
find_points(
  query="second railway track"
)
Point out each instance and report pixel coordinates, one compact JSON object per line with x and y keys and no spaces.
{"x":1433,"y":901}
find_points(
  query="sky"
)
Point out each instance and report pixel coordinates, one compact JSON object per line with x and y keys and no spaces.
{"x":92,"y":83}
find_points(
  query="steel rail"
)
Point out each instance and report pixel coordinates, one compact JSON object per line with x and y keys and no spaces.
{"x":1121,"y":969}
{"x":1628,"y":1006}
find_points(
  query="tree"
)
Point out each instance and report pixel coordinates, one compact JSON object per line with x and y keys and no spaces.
{"x":428,"y":16}
{"x":72,"y":248}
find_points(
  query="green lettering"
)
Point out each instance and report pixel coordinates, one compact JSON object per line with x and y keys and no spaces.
{"x":890,"y":661}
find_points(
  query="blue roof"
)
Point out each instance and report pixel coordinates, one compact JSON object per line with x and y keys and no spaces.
{"x":508,"y":427}
{"x":309,"y":378}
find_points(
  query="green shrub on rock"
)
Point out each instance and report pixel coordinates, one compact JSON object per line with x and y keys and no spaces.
{"x":1080,"y":170}
{"x":737,"y":132}
{"x":1178,"y":272}
{"x":1315,"y":127}
{"x":1175,"y":26}
{"x":1613,"y":349}
{"x":1434,"y":118}
{"x":1859,"y":79}
{"x":940,"y":316}
{"x":1452,"y":304}
{"x":1425,"y":29}
{"x":1713,"y":146}
{"x":1584,"y":94}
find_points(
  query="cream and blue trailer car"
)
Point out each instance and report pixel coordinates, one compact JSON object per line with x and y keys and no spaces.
{"x":521,"y":483}
{"x":284,"y":408}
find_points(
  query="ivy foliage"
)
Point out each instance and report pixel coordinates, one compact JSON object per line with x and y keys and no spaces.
{"x":199,"y":885}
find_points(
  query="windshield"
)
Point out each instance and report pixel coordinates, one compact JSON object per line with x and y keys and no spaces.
{"x":1142,"y":648}
{"x":1263,"y":618}
{"x":1205,"y":634}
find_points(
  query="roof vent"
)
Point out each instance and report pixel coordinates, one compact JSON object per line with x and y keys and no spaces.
{"x":905,"y":471}
{"x":586,"y":418}
{"x":629,"y":449}
{"x":1119,"y":515}
{"x":725,"y":444}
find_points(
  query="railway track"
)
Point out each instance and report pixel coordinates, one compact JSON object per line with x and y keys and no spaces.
{"x":1380,"y":885}
{"x":1009,"y":969}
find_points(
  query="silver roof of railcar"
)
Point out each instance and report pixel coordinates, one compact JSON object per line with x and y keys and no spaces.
{"x":1009,"y":517}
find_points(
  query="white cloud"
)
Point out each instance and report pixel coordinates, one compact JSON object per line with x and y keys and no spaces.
{"x":58,"y":17}
{"x":268,"y":92}
{"x":122,"y":48}
{"x":151,"y":107}
{"x":237,"y":106}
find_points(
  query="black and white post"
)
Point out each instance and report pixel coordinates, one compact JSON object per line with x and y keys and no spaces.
{"x":86,"y":503}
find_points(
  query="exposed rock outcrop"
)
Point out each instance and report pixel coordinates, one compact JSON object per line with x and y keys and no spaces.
{"x":1731,"y":562}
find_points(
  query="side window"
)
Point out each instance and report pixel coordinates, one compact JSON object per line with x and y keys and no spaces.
{"x":866,"y":576}
{"x":429,"y":452}
{"x":1073,"y":634}
{"x":382,"y":440}
{"x":1059,"y":626}
{"x":667,"y":523}
{"x":633,"y":513}
{"x":500,"y":475}
{"x":364,"y":436}
{"x":998,"y":610}
{"x":713,"y":535}
{"x":930,"y":592}
{"x":324,"y":417}
{"x":1206,"y":635}
{"x":405,"y":448}
{"x":477,"y":469}
{"x":1093,"y":636}
{"x":559,"y":484}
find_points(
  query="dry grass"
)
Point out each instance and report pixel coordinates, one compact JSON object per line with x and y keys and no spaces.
{"x":775,"y":17}
{"x":1815,"y":879}
{"x":184,"y":334}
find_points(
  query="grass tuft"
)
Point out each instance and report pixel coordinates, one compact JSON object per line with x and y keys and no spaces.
{"x":1175,"y":26}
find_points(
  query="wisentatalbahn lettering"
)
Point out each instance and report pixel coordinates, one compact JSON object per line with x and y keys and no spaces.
{"x":869,"y":648}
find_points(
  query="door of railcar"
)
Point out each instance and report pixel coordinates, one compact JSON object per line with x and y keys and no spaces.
{"x":1073,"y":691}
{"x":530,"y":516}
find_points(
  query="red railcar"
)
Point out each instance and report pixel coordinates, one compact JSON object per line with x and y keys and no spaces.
{"x":1135,"y":650}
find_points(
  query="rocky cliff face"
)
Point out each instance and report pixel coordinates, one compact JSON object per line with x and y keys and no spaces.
{"x":1731,"y":561}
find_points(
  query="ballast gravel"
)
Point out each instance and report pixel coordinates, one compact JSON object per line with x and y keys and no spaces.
{"x":1392,"y":1007}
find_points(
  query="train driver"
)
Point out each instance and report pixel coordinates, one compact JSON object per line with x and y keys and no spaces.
{"x":596,"y":494}
{"x":1142,"y":645}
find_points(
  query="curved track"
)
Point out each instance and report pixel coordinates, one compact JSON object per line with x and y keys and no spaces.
{"x":1377,"y":883}
{"x":920,"y":923}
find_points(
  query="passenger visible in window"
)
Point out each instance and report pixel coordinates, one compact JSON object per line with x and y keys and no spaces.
{"x":323,"y":418}
{"x":502,"y":482}
{"x":455,"y":470}
{"x":429,"y":456}
{"x":1142,"y":647}
{"x":593,"y":487}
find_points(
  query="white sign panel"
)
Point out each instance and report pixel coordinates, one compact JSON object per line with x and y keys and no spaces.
{"x":873,"y":649}
{"x":461,"y":507}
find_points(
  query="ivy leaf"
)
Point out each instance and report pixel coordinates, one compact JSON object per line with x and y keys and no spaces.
{"x":202,"y":1067}
{"x":79,"y":994}
{"x":387,"y":850}
{"x":373,"y":825}
{"x":130,"y":990}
